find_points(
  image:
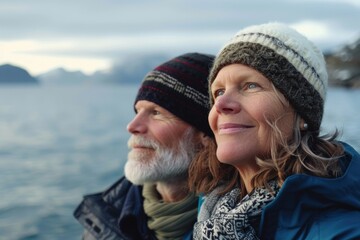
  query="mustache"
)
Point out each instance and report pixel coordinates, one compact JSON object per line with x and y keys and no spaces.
{"x":135,"y":141}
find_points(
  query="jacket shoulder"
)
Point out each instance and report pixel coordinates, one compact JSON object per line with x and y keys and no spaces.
{"x":99,"y":212}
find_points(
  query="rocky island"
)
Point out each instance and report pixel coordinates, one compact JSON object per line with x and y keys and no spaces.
{"x":10,"y":74}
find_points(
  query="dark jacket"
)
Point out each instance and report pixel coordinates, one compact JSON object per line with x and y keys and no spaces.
{"x":309,"y":207}
{"x":116,"y":213}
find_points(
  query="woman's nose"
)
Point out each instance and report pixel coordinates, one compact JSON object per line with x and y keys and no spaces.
{"x":227,"y":104}
{"x":137,"y":125}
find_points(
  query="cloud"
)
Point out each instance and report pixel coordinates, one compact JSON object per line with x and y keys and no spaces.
{"x":92,"y":54}
{"x":355,"y":3}
{"x":324,"y":35}
{"x":33,"y":55}
{"x":312,"y":29}
{"x":95,"y":33}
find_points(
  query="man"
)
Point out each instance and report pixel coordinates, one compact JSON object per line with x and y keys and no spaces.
{"x":170,"y":127}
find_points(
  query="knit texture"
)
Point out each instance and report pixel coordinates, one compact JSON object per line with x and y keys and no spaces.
{"x":225,"y":217}
{"x":293,"y":63}
{"x":169,"y":220}
{"x":181,"y":87}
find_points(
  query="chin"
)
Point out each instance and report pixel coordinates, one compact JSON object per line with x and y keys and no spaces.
{"x":225,"y":155}
{"x":134,"y":172}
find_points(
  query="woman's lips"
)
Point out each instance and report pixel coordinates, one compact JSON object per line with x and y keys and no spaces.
{"x":226,"y":128}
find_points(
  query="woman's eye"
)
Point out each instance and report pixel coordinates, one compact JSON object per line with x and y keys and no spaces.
{"x":219,"y":92}
{"x":252,"y":85}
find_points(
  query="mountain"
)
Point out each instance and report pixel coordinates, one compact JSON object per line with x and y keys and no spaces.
{"x":62,"y":76}
{"x":344,"y":65}
{"x":10,"y":74}
{"x":343,"y":68}
{"x":129,"y":71}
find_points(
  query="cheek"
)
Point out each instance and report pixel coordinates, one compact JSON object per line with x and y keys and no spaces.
{"x":212,"y":118}
{"x":264,"y":138}
{"x":279,"y":115}
{"x":164,"y":135}
{"x":160,"y":136}
{"x":287,"y":124}
{"x":272,"y":110}
{"x":169,"y":135}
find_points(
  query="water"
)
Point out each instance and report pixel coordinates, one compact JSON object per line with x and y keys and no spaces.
{"x":58,"y":143}
{"x":55,"y":145}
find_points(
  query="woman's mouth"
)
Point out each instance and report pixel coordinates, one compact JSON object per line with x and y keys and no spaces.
{"x":226,"y":128}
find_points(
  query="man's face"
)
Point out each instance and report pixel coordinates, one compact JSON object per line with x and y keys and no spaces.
{"x":161,"y":145}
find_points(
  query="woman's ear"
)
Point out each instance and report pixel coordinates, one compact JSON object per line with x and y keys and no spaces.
{"x":303,"y":125}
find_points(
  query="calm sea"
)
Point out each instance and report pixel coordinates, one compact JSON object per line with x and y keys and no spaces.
{"x":58,"y":143}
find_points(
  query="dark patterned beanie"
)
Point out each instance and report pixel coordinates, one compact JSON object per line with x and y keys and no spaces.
{"x":295,"y":65}
{"x":181,"y":87}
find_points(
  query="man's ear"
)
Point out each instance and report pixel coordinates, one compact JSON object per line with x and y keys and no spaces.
{"x":204,"y":139}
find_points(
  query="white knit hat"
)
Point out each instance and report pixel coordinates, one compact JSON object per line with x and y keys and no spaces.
{"x":293,"y":63}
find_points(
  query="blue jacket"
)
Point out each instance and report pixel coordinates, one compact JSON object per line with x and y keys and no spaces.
{"x":116,"y":213}
{"x":309,"y":207}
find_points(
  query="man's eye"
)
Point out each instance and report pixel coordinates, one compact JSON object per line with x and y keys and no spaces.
{"x":219,"y":92}
{"x":155,"y":112}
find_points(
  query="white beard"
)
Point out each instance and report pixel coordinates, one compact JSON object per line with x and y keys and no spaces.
{"x":165,"y":165}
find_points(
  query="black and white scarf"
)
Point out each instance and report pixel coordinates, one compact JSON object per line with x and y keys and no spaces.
{"x":224,"y":217}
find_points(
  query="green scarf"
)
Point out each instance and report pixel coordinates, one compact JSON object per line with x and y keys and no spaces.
{"x":169,"y":220}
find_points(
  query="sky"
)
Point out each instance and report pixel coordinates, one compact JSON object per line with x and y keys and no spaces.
{"x":92,"y":35}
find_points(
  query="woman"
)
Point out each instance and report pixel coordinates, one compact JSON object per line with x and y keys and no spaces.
{"x":271,"y":175}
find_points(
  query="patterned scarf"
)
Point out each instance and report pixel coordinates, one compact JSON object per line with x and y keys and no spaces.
{"x":224,"y":217}
{"x":169,"y":220}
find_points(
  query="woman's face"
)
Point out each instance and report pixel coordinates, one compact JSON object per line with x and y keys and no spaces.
{"x":243,"y":100}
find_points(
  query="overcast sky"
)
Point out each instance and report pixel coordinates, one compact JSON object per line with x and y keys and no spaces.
{"x":89,"y":35}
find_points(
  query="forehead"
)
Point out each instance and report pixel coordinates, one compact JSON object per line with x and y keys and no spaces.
{"x":238,"y":70}
{"x":148,"y":108}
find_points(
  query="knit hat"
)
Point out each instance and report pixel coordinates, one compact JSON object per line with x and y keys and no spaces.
{"x":180,"y":85}
{"x":295,"y":65}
